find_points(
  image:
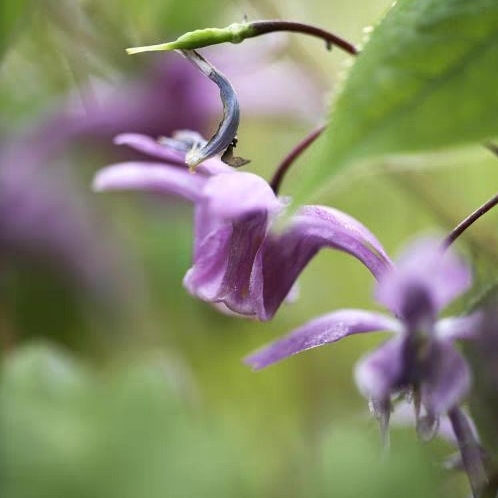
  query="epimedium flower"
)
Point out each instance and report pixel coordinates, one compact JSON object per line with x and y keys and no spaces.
{"x":238,"y":260}
{"x":421,"y":360}
{"x":169,"y":94}
{"x":45,"y":222}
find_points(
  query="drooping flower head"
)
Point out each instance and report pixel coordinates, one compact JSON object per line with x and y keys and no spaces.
{"x":238,"y":260}
{"x":421,"y":359}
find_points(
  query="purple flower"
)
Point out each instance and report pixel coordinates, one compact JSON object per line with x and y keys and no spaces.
{"x":171,"y":94}
{"x":44,"y":220}
{"x":239,"y":262}
{"x":420,"y":360}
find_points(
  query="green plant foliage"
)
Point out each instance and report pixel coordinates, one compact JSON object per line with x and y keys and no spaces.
{"x":67,"y":431}
{"x":349,"y":465}
{"x":12,"y":15}
{"x":426,"y":78}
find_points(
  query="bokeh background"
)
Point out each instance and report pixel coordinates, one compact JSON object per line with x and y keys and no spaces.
{"x":117,"y":383}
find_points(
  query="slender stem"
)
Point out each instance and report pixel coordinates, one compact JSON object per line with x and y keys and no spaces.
{"x":469,"y":450}
{"x":469,"y":220}
{"x":263,"y":27}
{"x":475,"y":215}
{"x":291,"y":157}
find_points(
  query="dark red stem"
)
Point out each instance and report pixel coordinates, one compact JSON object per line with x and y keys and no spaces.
{"x":291,"y":157}
{"x":263,"y":27}
{"x":475,"y":215}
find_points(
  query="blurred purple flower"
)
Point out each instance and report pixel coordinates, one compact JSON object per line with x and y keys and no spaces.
{"x":171,"y":95}
{"x":43,"y":218}
{"x":421,"y":359}
{"x":238,"y":261}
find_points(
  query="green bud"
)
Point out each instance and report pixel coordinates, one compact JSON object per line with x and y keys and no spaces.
{"x":234,"y":33}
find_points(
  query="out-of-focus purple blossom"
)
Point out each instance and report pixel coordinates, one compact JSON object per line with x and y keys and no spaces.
{"x":43,"y":218}
{"x":171,"y":95}
{"x":403,"y":416}
{"x":239,"y":262}
{"x":421,"y":359}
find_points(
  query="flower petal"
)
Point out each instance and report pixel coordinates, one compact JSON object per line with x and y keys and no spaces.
{"x":232,"y":221}
{"x":165,"y":151}
{"x":285,"y":255}
{"x":236,"y":194}
{"x":323,"y":330}
{"x":462,"y":327}
{"x":441,"y":275}
{"x":448,"y":379}
{"x":152,"y":177}
{"x":149,"y":146}
{"x":210,"y":261}
{"x":378,"y":373}
{"x":223,"y":263}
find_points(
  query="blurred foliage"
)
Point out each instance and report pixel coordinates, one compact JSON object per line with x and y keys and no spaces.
{"x":189,"y":419}
{"x":67,"y":430}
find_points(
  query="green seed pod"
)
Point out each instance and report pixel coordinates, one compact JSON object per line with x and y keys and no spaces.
{"x":199,"y":38}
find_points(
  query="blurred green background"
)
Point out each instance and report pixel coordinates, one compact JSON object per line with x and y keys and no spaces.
{"x":116,"y":382}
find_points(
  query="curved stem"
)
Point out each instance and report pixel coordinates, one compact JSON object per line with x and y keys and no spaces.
{"x":475,"y":215}
{"x":263,"y":27}
{"x":469,"y":220}
{"x":469,"y":451}
{"x":291,"y":157}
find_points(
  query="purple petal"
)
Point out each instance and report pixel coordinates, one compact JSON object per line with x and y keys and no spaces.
{"x":441,"y":275}
{"x":151,"y":147}
{"x":378,"y":373}
{"x":152,"y":177}
{"x":232,"y":221}
{"x":223,"y":263}
{"x":448,"y":379}
{"x":210,"y":261}
{"x":284,"y":256}
{"x":234,"y":195}
{"x":464,"y":327}
{"x":323,"y":330}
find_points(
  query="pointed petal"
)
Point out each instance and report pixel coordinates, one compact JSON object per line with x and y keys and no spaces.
{"x":285,"y":255}
{"x":448,"y":380}
{"x":377,"y":374}
{"x":151,"y":177}
{"x":149,"y":146}
{"x":323,"y":330}
{"x":165,"y":151}
{"x":462,"y":327}
{"x":441,"y":275}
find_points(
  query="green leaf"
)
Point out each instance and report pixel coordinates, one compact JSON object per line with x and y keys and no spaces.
{"x":427,"y":78}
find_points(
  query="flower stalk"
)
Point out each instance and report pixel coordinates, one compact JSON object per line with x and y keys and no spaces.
{"x":237,"y":32}
{"x":470,"y":451}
